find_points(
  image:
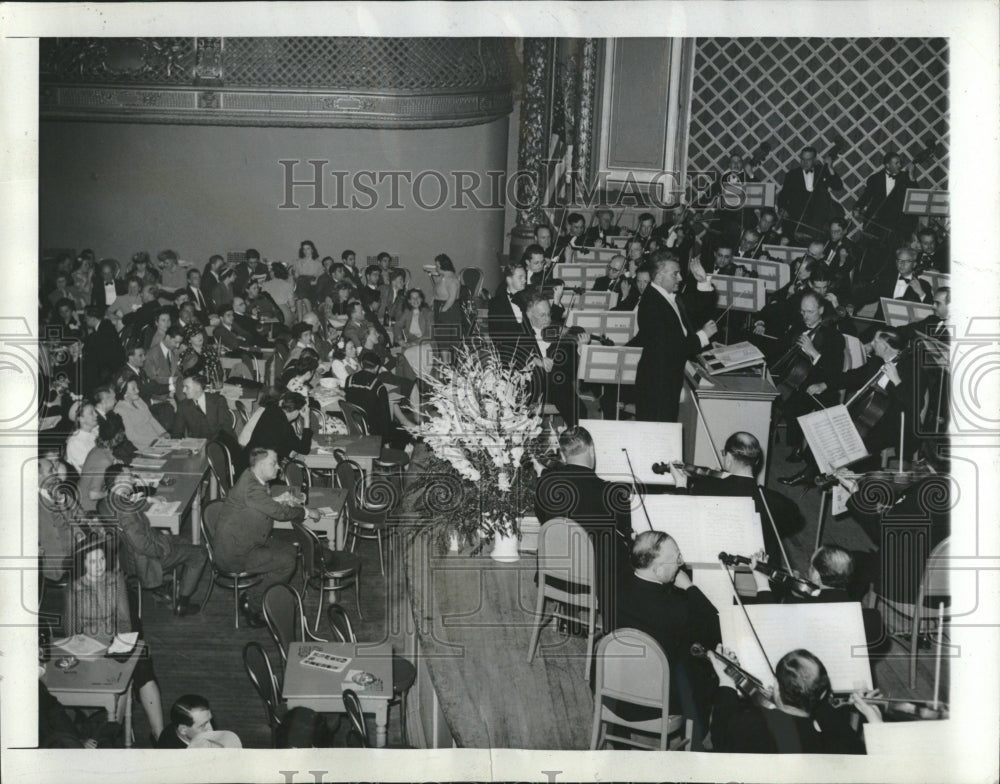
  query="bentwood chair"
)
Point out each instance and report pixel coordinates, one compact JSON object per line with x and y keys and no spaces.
{"x":259,"y":670}
{"x":357,"y":735}
{"x":404,"y":674}
{"x":366,"y":516}
{"x":221,"y":465}
{"x":237,"y":580}
{"x":565,"y":553}
{"x":328,"y":570}
{"x":633,"y":678}
{"x":357,"y":425}
{"x":285,"y":618}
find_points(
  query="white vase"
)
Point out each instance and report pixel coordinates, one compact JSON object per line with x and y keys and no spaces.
{"x":505,"y":548}
{"x":453,"y":542}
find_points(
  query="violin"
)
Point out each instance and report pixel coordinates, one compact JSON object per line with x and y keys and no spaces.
{"x":898,"y":709}
{"x":690,"y":470}
{"x":902,"y":478}
{"x":746,"y":684}
{"x":780,"y":578}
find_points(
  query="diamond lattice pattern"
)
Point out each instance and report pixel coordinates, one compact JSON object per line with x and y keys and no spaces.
{"x":877,"y":94}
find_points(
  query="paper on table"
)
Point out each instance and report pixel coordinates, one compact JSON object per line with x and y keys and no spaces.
{"x":834,"y":633}
{"x":80,"y":645}
{"x":123,"y":643}
{"x":703,"y":526}
{"x":147,"y":462}
{"x":833,"y":438}
{"x":159,"y":507}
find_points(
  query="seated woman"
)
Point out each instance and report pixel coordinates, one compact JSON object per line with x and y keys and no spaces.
{"x":98,"y":607}
{"x":112,"y":446}
{"x":275,"y":429}
{"x":412,"y":332}
{"x":345,"y":361}
{"x":141,"y":427}
{"x":79,"y":444}
{"x":201,"y":356}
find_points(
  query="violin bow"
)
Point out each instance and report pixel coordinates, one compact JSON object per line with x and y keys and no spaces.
{"x":635,"y":484}
{"x":774,"y":527}
{"x":736,"y":595}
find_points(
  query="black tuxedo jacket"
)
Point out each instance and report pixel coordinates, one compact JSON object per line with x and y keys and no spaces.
{"x":884,"y":216}
{"x":812,"y":211}
{"x":660,"y":374}
{"x":102,"y":356}
{"x":595,"y":237}
{"x":97,"y":292}
{"x":190,"y":422}
{"x":502,"y":323}
{"x":884,"y":286}
{"x":199,"y":301}
{"x":558,"y":386}
{"x":829,"y":342}
{"x":209,"y":290}
{"x":606,"y":283}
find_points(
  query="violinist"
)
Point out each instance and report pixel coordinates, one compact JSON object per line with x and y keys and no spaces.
{"x":751,"y":246}
{"x":573,"y":243}
{"x":613,"y":276}
{"x":815,"y":356}
{"x":540,"y":278}
{"x":742,"y":458}
{"x":841,"y":255}
{"x":599,"y":235}
{"x":658,"y":598}
{"x":804,"y":721}
{"x":899,"y":283}
{"x":779,"y":314}
{"x":644,"y":234}
{"x":631,"y":290}
{"x":543,"y":238}
{"x":768,"y":228}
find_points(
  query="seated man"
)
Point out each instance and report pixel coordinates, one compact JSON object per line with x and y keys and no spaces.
{"x":59,"y":518}
{"x":367,"y":390}
{"x":658,"y":598}
{"x":599,"y":235}
{"x":243,"y":535}
{"x":804,"y":721}
{"x":190,"y":717}
{"x":742,"y":459}
{"x":613,"y":276}
{"x":203,"y":415}
{"x":149,"y":554}
{"x":574,"y":490}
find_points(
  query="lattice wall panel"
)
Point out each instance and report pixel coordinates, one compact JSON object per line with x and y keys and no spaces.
{"x":875,"y":93}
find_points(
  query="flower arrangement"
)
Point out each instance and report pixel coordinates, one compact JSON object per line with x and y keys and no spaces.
{"x":480,"y":425}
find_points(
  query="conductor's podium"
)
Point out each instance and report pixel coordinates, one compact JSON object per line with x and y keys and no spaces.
{"x":730,"y":402}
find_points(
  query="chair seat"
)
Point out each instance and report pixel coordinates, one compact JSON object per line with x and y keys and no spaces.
{"x":404,"y":674}
{"x":652,"y":726}
{"x":339,"y":563}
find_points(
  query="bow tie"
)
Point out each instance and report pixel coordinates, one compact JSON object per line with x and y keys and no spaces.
{"x":890,"y":176}
{"x":905,"y":280}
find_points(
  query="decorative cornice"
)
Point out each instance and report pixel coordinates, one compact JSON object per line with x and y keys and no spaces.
{"x":422,"y":83}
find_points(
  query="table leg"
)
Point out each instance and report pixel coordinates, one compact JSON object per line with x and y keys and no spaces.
{"x":381,"y":726}
{"x":128,"y":717}
{"x":196,"y":518}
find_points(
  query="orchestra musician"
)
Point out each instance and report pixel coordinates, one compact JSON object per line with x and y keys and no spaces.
{"x":543,"y":238}
{"x":727,"y":193}
{"x":769,"y":228}
{"x":659,"y":598}
{"x":880,"y":206}
{"x":805,"y":196}
{"x":599,"y":235}
{"x":631,"y":291}
{"x":841,"y":255}
{"x":781,"y":311}
{"x":803,"y":721}
{"x":751,"y":246}
{"x":901,"y":283}
{"x":505,"y":314}
{"x":612,"y":279}
{"x":815,"y":354}
{"x":644,"y":234}
{"x":931,"y":255}
{"x":742,"y":460}
{"x":669,"y":337}
{"x":680,"y":233}
{"x":573,"y":243}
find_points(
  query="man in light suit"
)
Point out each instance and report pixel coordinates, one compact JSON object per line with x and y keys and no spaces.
{"x":162,"y":365}
{"x":196,"y":297}
{"x":669,"y":340}
{"x":202,"y":415}
{"x":242,"y":536}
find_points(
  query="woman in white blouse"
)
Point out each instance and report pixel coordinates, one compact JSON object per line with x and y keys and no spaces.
{"x":141,"y":427}
{"x":79,"y":444}
{"x":345,"y":360}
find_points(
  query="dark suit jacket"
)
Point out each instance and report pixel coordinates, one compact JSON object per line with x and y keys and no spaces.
{"x":97,"y":292}
{"x":830,"y":344}
{"x":390,"y":303}
{"x":595,"y":237}
{"x":209,"y":290}
{"x":201,"y":313}
{"x":247,"y":519}
{"x":602,"y":510}
{"x":787,"y":516}
{"x":274,"y":431}
{"x":605,"y":283}
{"x":901,"y":398}
{"x":558,"y":386}
{"x":160,"y":370}
{"x":146,"y":549}
{"x":660,"y":374}
{"x":102,"y":355}
{"x":884,"y":214}
{"x":190,"y":422}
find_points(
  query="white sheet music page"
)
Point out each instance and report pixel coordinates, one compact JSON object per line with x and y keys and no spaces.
{"x":833,"y":438}
{"x":647,"y":443}
{"x":703,"y":526}
{"x":834,"y":633}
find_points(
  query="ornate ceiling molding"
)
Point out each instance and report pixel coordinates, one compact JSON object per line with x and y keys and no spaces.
{"x":326,"y":82}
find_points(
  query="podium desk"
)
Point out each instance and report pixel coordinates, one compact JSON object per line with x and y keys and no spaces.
{"x":730,"y":402}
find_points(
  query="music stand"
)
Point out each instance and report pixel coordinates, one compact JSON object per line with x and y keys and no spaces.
{"x":609,"y":365}
{"x":786,"y":253}
{"x":757,"y":195}
{"x":775,"y":274}
{"x":927,"y":202}
{"x":900,"y":312}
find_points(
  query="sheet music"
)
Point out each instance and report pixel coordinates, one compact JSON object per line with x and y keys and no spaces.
{"x":703,"y":526}
{"x":647,"y":443}
{"x":833,"y":438}
{"x":834,"y":633}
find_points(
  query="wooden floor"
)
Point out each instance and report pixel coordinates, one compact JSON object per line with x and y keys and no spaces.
{"x":202,"y":653}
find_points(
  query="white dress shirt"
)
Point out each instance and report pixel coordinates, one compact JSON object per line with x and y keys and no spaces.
{"x":890,"y":183}
{"x":517,"y":311}
{"x":78,"y":446}
{"x":110,"y":293}
{"x":543,"y":344}
{"x":672,"y":299}
{"x":902,"y":284}
{"x":809,"y":177}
